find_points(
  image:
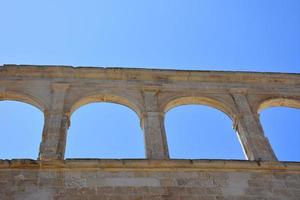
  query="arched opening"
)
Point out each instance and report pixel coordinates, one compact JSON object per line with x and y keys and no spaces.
{"x":105,"y":130}
{"x":21,"y":130}
{"x":280,"y":119}
{"x":201,"y":132}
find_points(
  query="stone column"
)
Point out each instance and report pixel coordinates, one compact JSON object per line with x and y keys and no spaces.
{"x":248,"y":126}
{"x":154,"y":129}
{"x":56,"y":126}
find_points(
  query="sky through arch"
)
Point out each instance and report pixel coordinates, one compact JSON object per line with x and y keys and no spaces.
{"x":21,"y":130}
{"x":201,"y":132}
{"x":105,"y":130}
{"x":282,"y":127}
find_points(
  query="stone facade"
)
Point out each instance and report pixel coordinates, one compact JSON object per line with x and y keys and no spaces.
{"x":59,"y":90}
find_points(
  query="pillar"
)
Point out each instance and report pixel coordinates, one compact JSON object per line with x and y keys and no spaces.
{"x":154,"y":129}
{"x":55,"y":126}
{"x":248,"y":126}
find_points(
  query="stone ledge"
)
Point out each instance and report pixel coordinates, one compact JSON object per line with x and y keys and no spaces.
{"x":143,"y":74}
{"x":151,"y":165}
{"x":149,"y":69}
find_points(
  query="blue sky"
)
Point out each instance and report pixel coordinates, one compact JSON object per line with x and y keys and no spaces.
{"x":238,"y":35}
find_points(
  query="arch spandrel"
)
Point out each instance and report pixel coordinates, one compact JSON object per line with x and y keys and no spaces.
{"x":25,"y":98}
{"x":199,"y":100}
{"x":106,"y":97}
{"x":278,"y":101}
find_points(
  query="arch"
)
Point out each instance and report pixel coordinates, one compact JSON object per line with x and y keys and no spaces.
{"x":214,"y":138}
{"x":278,"y":124}
{"x":273,"y":102}
{"x":111,"y":131}
{"x":29,"y":119}
{"x":208,"y":101}
{"x":109,"y":98}
{"x":23,"y":97}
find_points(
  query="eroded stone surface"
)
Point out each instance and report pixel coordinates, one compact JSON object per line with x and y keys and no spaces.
{"x":58,"y":91}
{"x":136,"y":179}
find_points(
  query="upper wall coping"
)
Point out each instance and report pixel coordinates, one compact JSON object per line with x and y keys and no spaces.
{"x":134,"y":69}
{"x":153,"y":165}
{"x":55,"y":71}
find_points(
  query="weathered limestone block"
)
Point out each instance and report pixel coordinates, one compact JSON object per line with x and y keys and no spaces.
{"x":56,"y":126}
{"x":154,"y":129}
{"x":256,"y":145}
{"x":162,"y":180}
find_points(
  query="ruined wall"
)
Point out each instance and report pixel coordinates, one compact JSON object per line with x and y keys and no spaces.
{"x":59,"y":91}
{"x":155,"y":179}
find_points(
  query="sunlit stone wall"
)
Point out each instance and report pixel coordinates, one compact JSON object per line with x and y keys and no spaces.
{"x":59,"y":90}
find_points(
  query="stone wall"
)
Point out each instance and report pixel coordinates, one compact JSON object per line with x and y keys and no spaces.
{"x":58,"y":91}
{"x":149,"y":179}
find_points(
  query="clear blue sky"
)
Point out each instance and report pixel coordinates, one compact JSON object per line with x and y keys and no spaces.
{"x":243,"y":35}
